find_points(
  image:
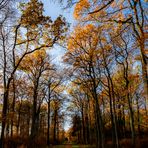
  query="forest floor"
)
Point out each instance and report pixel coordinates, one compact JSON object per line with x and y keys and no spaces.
{"x":72,"y":146}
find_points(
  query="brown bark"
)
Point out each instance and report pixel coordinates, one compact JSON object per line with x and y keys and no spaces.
{"x":48,"y":124}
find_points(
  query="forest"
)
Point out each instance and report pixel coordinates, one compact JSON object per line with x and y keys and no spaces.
{"x":95,"y":96}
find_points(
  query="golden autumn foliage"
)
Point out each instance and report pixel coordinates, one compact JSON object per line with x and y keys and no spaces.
{"x":32,"y":60}
{"x":83,"y":41}
{"x":32,"y":14}
{"x":82,"y":36}
{"x":82,"y":5}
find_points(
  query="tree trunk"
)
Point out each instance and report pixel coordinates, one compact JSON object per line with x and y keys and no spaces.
{"x":83,"y":126}
{"x":99,"y":123}
{"x":123,"y":119}
{"x":35,"y":114}
{"x":138,"y":116}
{"x":129,"y":103}
{"x":4,"y":116}
{"x":13,"y":106}
{"x":54,"y":126}
{"x":48,"y":126}
{"x":112,"y":110}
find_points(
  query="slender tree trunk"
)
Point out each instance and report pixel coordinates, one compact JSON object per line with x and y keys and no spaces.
{"x":28,"y":124}
{"x":113,"y":110}
{"x":8,"y":125}
{"x":4,"y":115}
{"x":35,"y":114}
{"x":57,"y":127}
{"x":87,"y":121}
{"x":123,"y":118}
{"x":4,"y":110}
{"x":112,"y":119}
{"x":48,"y":126}
{"x":119,"y":119}
{"x":115,"y":116}
{"x":138,"y":117}
{"x":87,"y":130}
{"x":90,"y":122}
{"x":99,"y":124}
{"x":13,"y":106}
{"x":112,"y":99}
{"x":129,"y":101}
{"x":54,"y":126}
{"x":48,"y":122}
{"x":19,"y":118}
{"x":98,"y":115}
{"x":131,"y":121}
{"x":33,"y":132}
{"x":6,"y":93}
{"x":83,"y":126}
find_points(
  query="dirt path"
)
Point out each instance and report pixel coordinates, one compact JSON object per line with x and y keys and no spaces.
{"x":71,"y":146}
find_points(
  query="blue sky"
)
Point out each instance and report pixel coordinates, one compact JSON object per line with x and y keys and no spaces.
{"x":54,"y":9}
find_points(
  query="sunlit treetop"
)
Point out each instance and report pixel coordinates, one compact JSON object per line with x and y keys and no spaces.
{"x":82,"y":37}
{"x":32,"y":14}
{"x":80,"y":8}
{"x":110,"y":11}
{"x":39,"y":30}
